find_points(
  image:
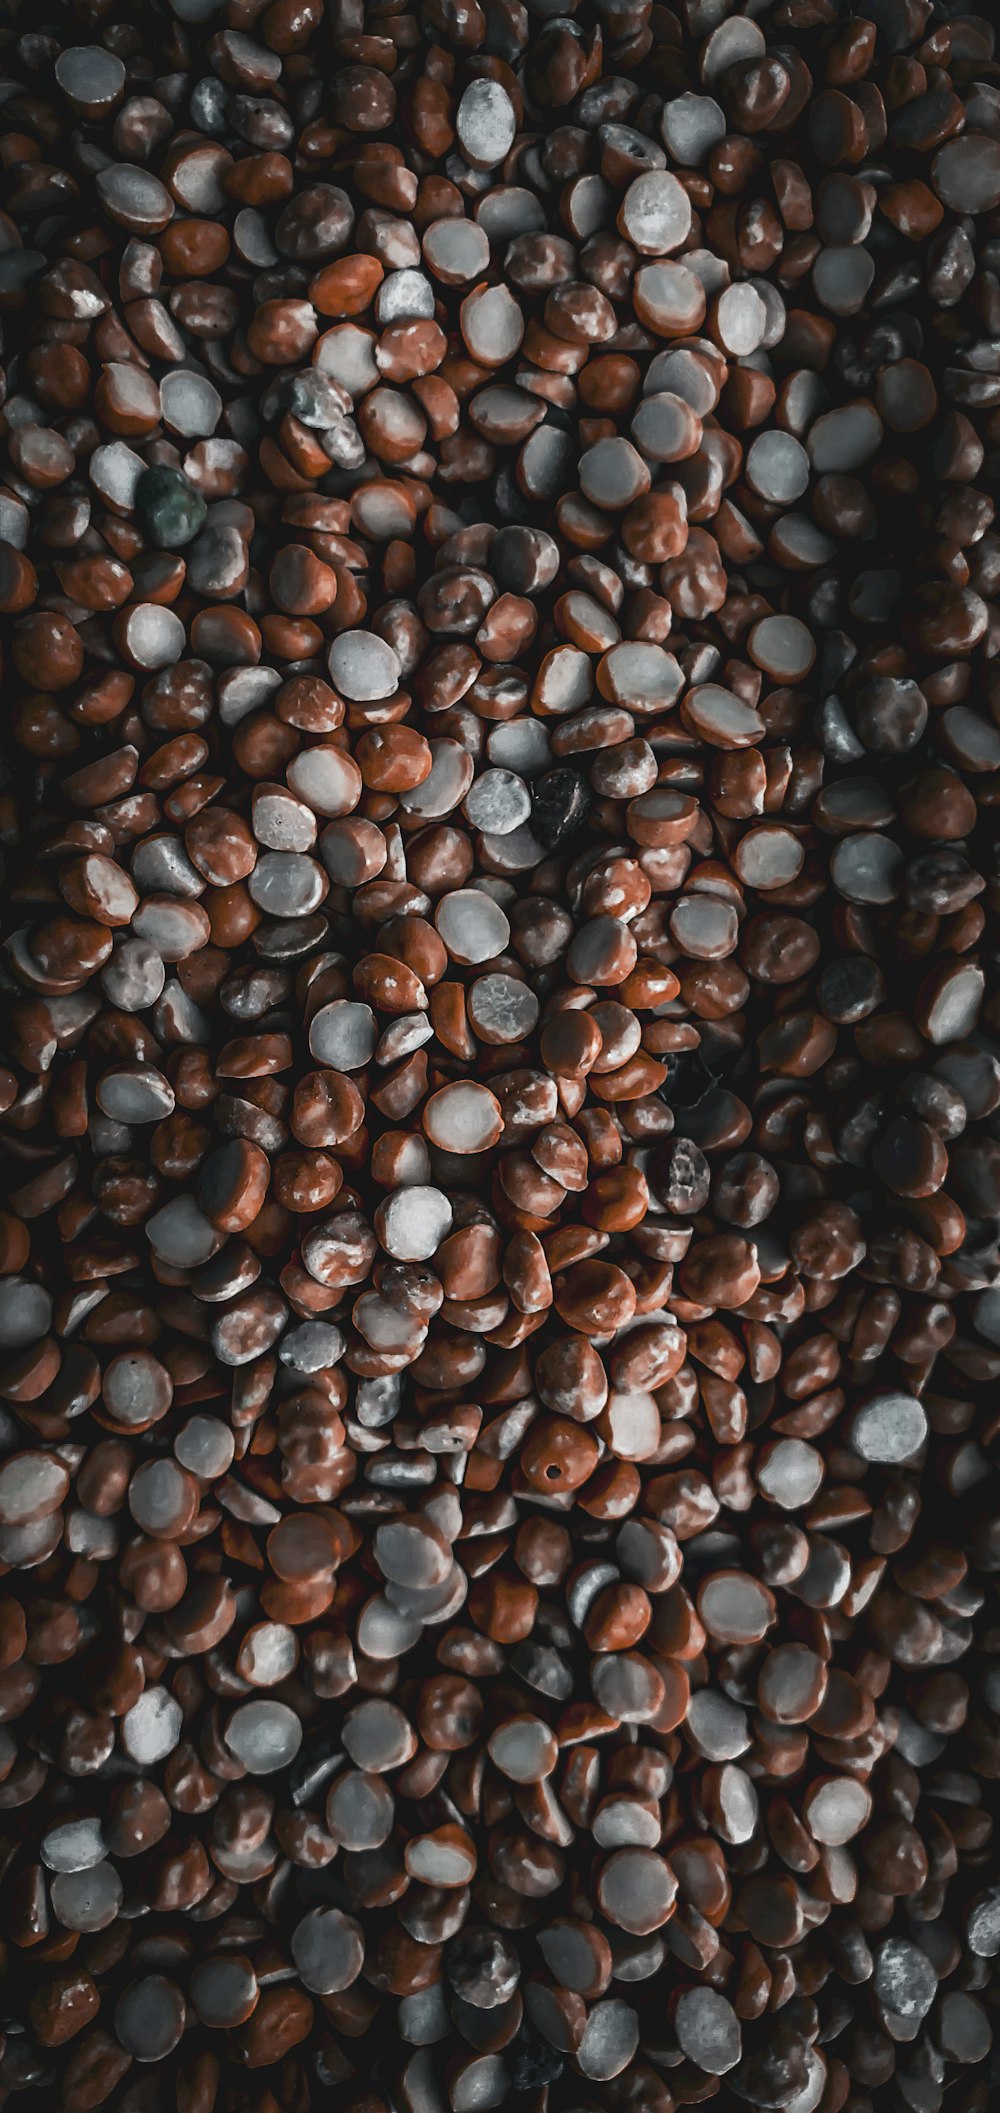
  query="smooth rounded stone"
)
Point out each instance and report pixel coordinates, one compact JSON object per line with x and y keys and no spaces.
{"x":636,"y":1891}
{"x":904,"y":1982}
{"x":161,"y":865}
{"x":343,"y":1035}
{"x":680,"y":372}
{"x":172,"y":512}
{"x":966,"y":173}
{"x":486,"y":124}
{"x":282,"y":822}
{"x":191,"y":404}
{"x":778,"y":467}
{"x":86,"y":1900}
{"x":457,"y":251}
{"x":473,"y":926}
{"x":520,"y":747}
{"x":137,"y":1389}
{"x":964,"y":2033}
{"x":867,"y":868}
{"x":845,"y":439}
{"x":135,"y":1093}
{"x":150,"y":2018}
{"x":162,"y":1498}
{"x":691,"y":126}
{"x":769,"y":857}
{"x":731,"y":41}
{"x":152,"y":1727}
{"x":842,"y":278}
{"x":986,"y":1316}
{"x":517,"y":852}
{"x":463,"y":1117}
{"x":502,"y":1008}
{"x":954,"y":1012}
{"x":384,"y":1633}
{"x":134,"y":197}
{"x":716,"y":1725}
{"x":735,"y":1607}
{"x":524,"y":1749}
{"x":134,"y":976}
{"x":363,"y":667}
{"x":423,"y":2019}
{"x":497,"y":801}
{"x":797,"y":542}
{"x":265,"y":1736}
{"x":311,"y":1346}
{"x":720,"y":718}
{"x":155,"y":637}
{"x":285,"y":884}
{"x":783,"y":646}
{"x":790,"y":1473}
{"x":377,"y":1736}
{"x":574,"y":1953}
{"x":655,"y":213}
{"x":412,"y":1551}
{"x":738,"y":1805}
{"x":32,"y":1487}
{"x":443,"y":1858}
{"x":205,"y":1446}
{"x":609,"y":2042}
{"x":326,"y":779}
{"x":73,"y":1845}
{"x":484,"y":2082}
{"x":224,"y":1991}
{"x":91,"y":78}
{"x":268,"y":1654}
{"x":492,"y":324}
{"x":329,"y":1950}
{"x":835,"y":1811}
{"x":439,"y":1604}
{"x":412,"y":1223}
{"x":665,"y":428}
{"x":24,"y":1547}
{"x":642,"y":677}
{"x":742,"y":319}
{"x":704,"y":926}
{"x":360,"y":1810}
{"x":451,"y":774}
{"x":181,"y":1235}
{"x":982,"y":1924}
{"x":669,"y":299}
{"x":889,"y":1428}
{"x":708,"y":2030}
{"x":25,"y":1312}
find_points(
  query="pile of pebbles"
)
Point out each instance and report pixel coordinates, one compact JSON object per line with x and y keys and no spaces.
{"x":500,"y":1127}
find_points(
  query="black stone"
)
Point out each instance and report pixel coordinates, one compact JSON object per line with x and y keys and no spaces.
{"x":542,"y":1668}
{"x":170,"y":509}
{"x":680,"y":1177}
{"x":532,"y":2062}
{"x":483,"y":1968}
{"x":560,"y":807}
{"x":850,"y":988}
{"x":770,"y":2075}
{"x":317,"y":1761}
{"x":688,"y":1078}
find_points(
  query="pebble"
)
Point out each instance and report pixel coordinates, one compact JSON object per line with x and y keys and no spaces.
{"x":498,"y":1258}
